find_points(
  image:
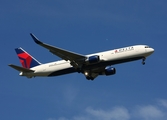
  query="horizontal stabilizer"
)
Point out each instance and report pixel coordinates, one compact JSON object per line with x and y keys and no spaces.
{"x":21,"y":69}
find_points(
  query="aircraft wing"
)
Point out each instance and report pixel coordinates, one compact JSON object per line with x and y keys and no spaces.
{"x":75,"y":58}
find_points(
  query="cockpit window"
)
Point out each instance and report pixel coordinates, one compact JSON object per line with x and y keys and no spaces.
{"x":147,"y":47}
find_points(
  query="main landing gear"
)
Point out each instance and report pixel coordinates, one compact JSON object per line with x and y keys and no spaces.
{"x":88,"y":75}
{"x":143,"y":62}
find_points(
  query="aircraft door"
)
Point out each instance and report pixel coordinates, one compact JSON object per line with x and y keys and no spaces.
{"x":145,"y":50}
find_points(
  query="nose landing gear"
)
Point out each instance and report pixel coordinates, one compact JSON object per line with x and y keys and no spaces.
{"x":143,"y":61}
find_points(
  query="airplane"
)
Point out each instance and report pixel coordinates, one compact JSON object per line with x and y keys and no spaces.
{"x":90,"y":65}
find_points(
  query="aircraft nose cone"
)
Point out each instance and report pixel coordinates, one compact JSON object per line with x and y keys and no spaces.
{"x":151,"y":50}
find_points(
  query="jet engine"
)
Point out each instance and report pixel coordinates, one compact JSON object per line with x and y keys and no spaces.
{"x":93,"y":59}
{"x":109,"y":71}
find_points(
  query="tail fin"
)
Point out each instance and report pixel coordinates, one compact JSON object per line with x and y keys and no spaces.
{"x":26,"y":59}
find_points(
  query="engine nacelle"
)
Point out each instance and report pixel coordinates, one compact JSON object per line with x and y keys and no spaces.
{"x":110,"y":70}
{"x":93,"y":59}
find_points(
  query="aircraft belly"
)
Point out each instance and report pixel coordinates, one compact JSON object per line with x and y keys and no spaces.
{"x":61,"y":69}
{"x":49,"y":69}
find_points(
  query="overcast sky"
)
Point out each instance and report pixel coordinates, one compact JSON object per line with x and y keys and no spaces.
{"x":84,"y":26}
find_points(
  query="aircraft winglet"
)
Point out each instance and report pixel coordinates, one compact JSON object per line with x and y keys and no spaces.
{"x":35,"y":39}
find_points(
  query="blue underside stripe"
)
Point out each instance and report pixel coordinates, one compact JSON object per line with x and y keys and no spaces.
{"x":64,"y":71}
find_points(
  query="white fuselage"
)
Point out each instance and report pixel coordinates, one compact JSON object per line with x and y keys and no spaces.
{"x":107,"y":58}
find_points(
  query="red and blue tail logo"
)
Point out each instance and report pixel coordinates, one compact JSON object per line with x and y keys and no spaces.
{"x":26,"y":59}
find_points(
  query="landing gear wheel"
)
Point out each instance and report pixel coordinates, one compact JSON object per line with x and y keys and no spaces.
{"x":143,"y":62}
{"x":89,"y":78}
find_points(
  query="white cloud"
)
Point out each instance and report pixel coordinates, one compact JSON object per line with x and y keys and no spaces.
{"x":150,"y":112}
{"x":117,"y":113}
{"x":69,"y":94}
{"x":145,"y":112}
{"x":163,"y":102}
